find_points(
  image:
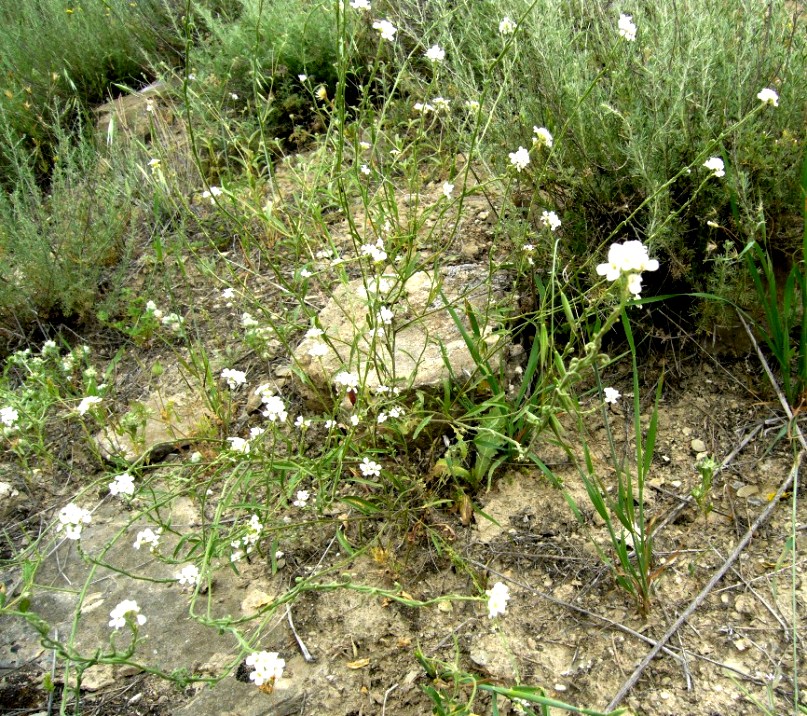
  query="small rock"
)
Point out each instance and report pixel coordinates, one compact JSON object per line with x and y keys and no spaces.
{"x":698,"y":445}
{"x":98,"y":677}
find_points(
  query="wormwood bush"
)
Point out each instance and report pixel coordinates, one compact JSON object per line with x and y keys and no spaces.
{"x":56,"y":246}
{"x":69,"y":55}
{"x":659,"y":103}
{"x":255,"y":53}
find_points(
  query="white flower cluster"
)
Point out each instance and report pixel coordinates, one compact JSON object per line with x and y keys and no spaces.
{"x":498,"y":596}
{"x":127,"y":608}
{"x":72,"y":519}
{"x":150,"y":537}
{"x":234,"y":378}
{"x":630,"y":259}
{"x":9,"y":416}
{"x":212,"y":193}
{"x":246,"y":544}
{"x":369,"y":468}
{"x":716,"y":166}
{"x":435,"y":54}
{"x":394,"y":412}
{"x":87,"y":403}
{"x":274,"y":409}
{"x":188,"y":575}
{"x":550,"y":220}
{"x":267,"y":666}
{"x":386,"y":29}
{"x":507,"y":26}
{"x":768,"y":96}
{"x":375,"y":251}
{"x":520,"y":159}
{"x":542,"y":137}
{"x":626,"y":27}
{"x":122,"y":484}
{"x":347,"y":380}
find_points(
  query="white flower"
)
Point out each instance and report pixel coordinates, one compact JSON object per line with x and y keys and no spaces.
{"x":630,"y":257}
{"x":233,"y":377}
{"x":87,"y":403}
{"x":626,"y":27}
{"x":72,"y":519}
{"x":360,"y":4}
{"x":635,"y":284}
{"x":274,"y":408}
{"x":173,"y":321}
{"x":123,"y":484}
{"x":267,"y":667}
{"x":127,"y":608}
{"x":715,"y":165}
{"x":448,"y":188}
{"x":435,"y":54}
{"x":441,"y":104}
{"x":150,"y":537}
{"x":507,"y":26}
{"x":542,"y":136}
{"x":247,"y":321}
{"x":318,"y":350}
{"x":49,"y":346}
{"x":498,"y":597}
{"x":550,"y":219}
{"x":9,"y":416}
{"x":239,"y":445}
{"x":212,"y":193}
{"x":386,"y":28}
{"x":188,"y":575}
{"x":347,"y":380}
{"x":768,"y":96}
{"x":385,"y":315}
{"x":612,"y":395}
{"x":302,"y":498}
{"x":520,"y":159}
{"x":369,"y":468}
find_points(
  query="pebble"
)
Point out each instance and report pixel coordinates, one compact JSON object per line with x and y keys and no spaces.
{"x":698,"y":445}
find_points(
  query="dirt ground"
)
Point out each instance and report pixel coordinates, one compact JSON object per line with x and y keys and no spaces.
{"x":568,"y":628}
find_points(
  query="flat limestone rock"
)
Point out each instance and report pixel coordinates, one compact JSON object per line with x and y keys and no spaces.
{"x":173,"y":414}
{"x":415,"y":346}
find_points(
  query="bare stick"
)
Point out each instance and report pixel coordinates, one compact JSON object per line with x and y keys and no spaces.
{"x":303,"y":649}
{"x":634,"y":677}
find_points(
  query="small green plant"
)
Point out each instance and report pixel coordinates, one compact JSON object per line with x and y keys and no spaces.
{"x":455,"y":692}
{"x":702,"y":493}
{"x":784,"y":306}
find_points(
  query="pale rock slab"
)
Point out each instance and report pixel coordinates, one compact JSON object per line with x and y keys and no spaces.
{"x":415,"y":350}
